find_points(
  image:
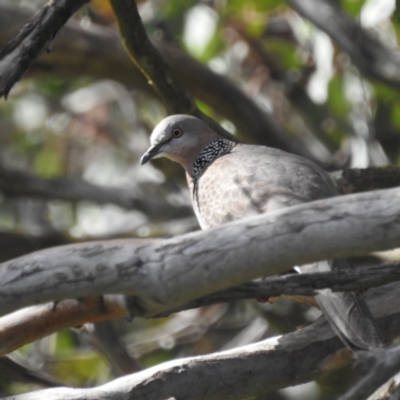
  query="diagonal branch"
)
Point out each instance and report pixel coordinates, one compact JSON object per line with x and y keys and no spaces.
{"x":158,"y":73}
{"x":18,"y":55}
{"x":386,"y":364}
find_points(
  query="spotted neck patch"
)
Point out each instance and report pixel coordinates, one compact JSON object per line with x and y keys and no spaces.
{"x":212,"y":151}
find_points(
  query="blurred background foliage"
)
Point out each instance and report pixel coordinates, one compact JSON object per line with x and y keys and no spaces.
{"x":85,"y":128}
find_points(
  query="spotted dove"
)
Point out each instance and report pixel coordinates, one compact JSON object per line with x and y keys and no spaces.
{"x":229,"y":181}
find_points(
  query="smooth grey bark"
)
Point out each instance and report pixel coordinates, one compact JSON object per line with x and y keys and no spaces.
{"x":291,"y":359}
{"x":163,"y":273}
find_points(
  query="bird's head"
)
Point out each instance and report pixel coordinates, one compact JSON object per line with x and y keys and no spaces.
{"x":179,"y":138}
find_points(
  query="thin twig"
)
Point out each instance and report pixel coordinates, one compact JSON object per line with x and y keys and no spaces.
{"x":358,"y":279}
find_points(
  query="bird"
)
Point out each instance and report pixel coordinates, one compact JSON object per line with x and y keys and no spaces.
{"x":229,"y":181}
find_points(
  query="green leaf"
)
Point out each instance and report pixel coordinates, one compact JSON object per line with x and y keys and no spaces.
{"x":47,"y":161}
{"x":353,"y":7}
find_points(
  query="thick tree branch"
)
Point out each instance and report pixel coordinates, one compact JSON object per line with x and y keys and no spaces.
{"x":161,"y":274}
{"x":367,"y":52}
{"x":294,"y":358}
{"x":42,"y":320}
{"x":18,"y":55}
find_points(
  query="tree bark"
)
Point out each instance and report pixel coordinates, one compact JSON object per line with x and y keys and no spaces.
{"x":160,"y":274}
{"x":291,"y":359}
{"x":35,"y":322}
{"x":17,"y":56}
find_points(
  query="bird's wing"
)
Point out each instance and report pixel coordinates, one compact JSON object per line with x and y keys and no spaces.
{"x":252,"y":180}
{"x":347,"y":313}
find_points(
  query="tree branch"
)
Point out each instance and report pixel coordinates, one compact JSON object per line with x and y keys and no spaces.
{"x":354,"y":180}
{"x":299,"y":285}
{"x":103,"y":338}
{"x":11,"y":371}
{"x":386,"y":363}
{"x":156,"y":272}
{"x":151,"y":64}
{"x":291,"y":359}
{"x":367,"y":52}
{"x":18,"y":55}
{"x":158,"y":73}
{"x":33,"y":323}
{"x":42,"y":320}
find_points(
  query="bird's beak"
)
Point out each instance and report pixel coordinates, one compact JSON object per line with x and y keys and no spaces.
{"x":152,"y":152}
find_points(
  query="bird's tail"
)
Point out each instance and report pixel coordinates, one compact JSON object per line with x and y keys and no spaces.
{"x":347,"y":313}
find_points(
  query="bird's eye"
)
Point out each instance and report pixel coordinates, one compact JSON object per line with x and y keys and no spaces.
{"x":176,"y":133}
